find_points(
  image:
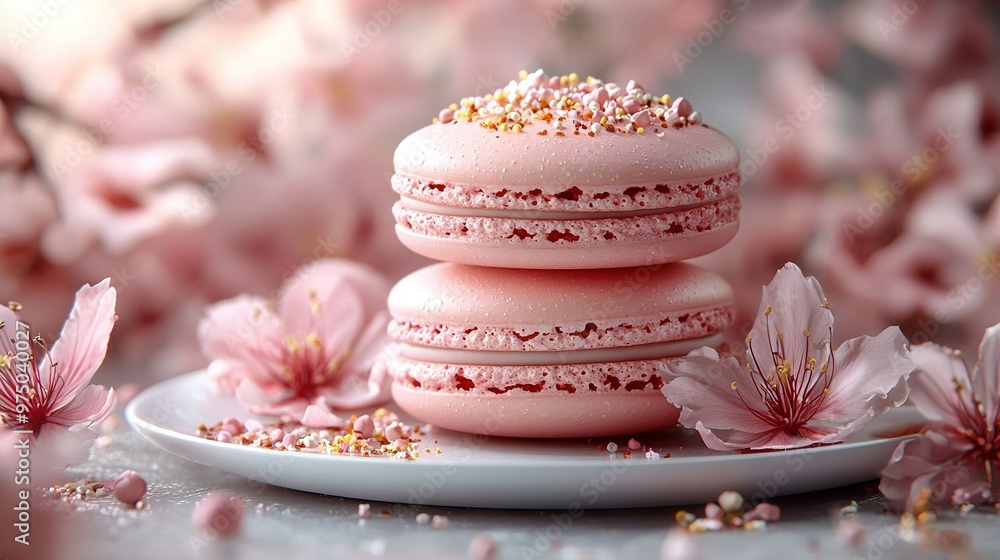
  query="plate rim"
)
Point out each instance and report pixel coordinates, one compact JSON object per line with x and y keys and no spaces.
{"x":135,"y":420}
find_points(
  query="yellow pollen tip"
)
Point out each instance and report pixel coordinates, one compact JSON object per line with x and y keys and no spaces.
{"x":767,"y":310}
{"x":806,"y":333}
{"x":733,"y":385}
{"x":312,"y":341}
{"x":825,"y":304}
{"x":292,"y":344}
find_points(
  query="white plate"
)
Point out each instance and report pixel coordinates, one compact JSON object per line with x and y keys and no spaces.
{"x":475,"y":471}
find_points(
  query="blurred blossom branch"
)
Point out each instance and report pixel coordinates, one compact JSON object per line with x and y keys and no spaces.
{"x":139,"y":141}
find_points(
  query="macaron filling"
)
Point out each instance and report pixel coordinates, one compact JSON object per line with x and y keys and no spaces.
{"x":607,"y":333}
{"x":431,"y":208}
{"x":584,"y":356}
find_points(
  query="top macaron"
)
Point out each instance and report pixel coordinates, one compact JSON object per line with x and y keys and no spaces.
{"x":555,"y":173}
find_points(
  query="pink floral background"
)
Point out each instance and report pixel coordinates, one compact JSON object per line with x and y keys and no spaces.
{"x":192,"y":151}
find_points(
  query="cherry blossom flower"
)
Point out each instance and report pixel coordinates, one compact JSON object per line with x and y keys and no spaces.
{"x":50,"y":396}
{"x":792,"y":390}
{"x":318,"y":347}
{"x":956,"y":458}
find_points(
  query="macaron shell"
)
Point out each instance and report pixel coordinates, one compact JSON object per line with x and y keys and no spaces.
{"x":540,"y":416}
{"x":579,"y":307}
{"x":469,"y":154}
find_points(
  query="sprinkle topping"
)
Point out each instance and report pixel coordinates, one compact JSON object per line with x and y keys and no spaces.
{"x":563,"y":105}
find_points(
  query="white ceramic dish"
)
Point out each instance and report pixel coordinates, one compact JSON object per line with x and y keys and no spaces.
{"x":475,"y":471}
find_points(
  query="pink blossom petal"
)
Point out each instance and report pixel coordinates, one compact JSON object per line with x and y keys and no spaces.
{"x":346,"y":293}
{"x":335,"y":314}
{"x":227,"y":374}
{"x":933,"y":461}
{"x":8,"y":318}
{"x":932,"y":386}
{"x":369,"y":284}
{"x":986,"y":375}
{"x":796,"y":304}
{"x":91,"y":406}
{"x":82,"y":344}
{"x":260,"y":399}
{"x":702,"y":387}
{"x":318,"y":415}
{"x":244,"y":331}
{"x":869,"y":377}
{"x":737,"y":440}
{"x":366,"y":380}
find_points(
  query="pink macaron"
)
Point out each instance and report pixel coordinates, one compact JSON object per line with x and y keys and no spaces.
{"x":551,"y":172}
{"x":549,"y":353}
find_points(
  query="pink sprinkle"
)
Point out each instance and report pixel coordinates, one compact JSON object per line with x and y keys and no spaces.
{"x":439,"y":521}
{"x":446,"y":115}
{"x":277,"y":434}
{"x":682,"y":106}
{"x":601,"y":96}
{"x":253,"y":426}
{"x":672,"y":117}
{"x":289,"y":440}
{"x":642,"y":118}
{"x":224,"y":437}
{"x":714,"y":511}
{"x":364,"y":426}
{"x":631,"y":106}
{"x":482,"y":547}
{"x":364,"y":511}
{"x":393,"y":432}
{"x":220,"y":511}
{"x":764,"y":512}
{"x":233,"y":426}
{"x":633,"y":444}
{"x":129,"y":487}
{"x":632,"y":85}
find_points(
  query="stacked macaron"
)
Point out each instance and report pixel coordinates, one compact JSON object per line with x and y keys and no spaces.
{"x":559,"y":206}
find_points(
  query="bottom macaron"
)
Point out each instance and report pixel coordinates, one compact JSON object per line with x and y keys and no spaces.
{"x":549,"y":353}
